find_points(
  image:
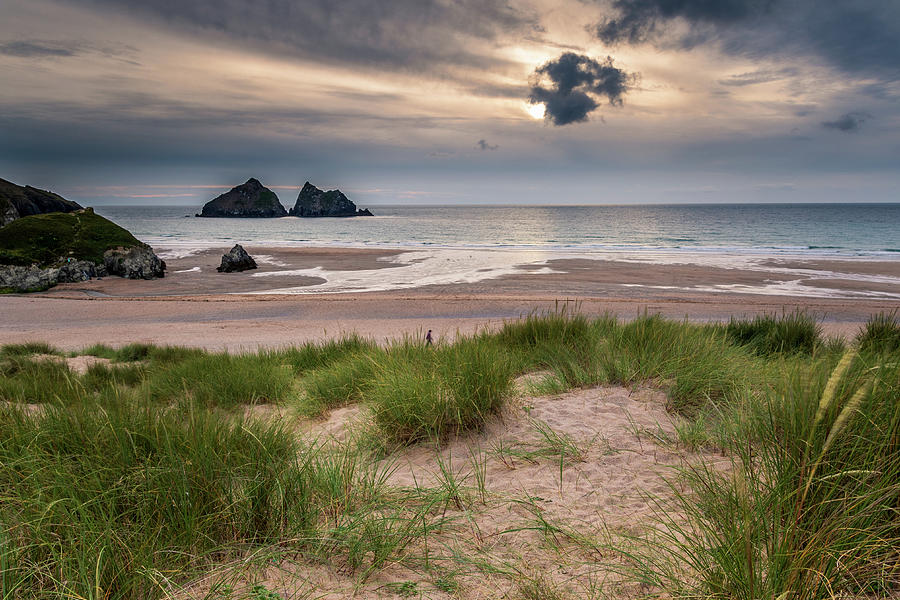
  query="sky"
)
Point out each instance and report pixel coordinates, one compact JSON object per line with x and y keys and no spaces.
{"x":453,"y":101}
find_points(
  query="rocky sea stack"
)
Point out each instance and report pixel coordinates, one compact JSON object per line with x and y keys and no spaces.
{"x":313,"y":202}
{"x":251,"y":199}
{"x":39,"y":251}
{"x":17,"y":201}
{"x":236,"y":260}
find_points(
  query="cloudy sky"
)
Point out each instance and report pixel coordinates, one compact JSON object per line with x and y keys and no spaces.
{"x":448,"y":101}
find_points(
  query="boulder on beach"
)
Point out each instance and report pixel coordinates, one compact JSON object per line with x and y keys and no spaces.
{"x":236,"y":260}
{"x":251,"y":199}
{"x":313,"y":202}
{"x":17,"y":201}
{"x":136,"y":262}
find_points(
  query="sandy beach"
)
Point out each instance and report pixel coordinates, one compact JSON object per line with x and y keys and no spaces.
{"x":301,"y":294}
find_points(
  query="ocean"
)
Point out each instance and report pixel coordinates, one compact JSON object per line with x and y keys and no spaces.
{"x":814,"y":230}
{"x":467,"y":244}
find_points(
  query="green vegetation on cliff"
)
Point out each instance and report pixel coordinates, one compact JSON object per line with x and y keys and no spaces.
{"x":53,"y":237}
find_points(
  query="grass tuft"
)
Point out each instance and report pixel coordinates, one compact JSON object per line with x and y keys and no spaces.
{"x":99,"y":497}
{"x":221,"y":380}
{"x":880,"y":334}
{"x":791,"y":333}
{"x":695,"y":364}
{"x":43,"y":381}
{"x":339,"y":383}
{"x":423,"y":393}
{"x":27,"y":349}
{"x":314,"y":355}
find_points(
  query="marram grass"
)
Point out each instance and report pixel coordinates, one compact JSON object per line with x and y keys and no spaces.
{"x":880,"y":334}
{"x":137,"y":475}
{"x":424,"y":393}
{"x":809,"y":508}
{"x":221,"y":380}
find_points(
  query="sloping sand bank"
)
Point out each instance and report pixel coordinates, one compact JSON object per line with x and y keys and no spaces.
{"x":543,"y":519}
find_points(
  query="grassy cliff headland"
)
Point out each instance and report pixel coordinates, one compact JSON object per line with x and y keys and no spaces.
{"x":49,"y":239}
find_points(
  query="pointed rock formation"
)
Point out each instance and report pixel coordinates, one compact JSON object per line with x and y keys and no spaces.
{"x":251,"y":199}
{"x":313,"y":202}
{"x":236,"y":260}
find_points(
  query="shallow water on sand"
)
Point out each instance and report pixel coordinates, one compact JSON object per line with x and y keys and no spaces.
{"x":458,"y":245}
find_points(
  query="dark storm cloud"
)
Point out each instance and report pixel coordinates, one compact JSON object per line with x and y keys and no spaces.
{"x":483,"y":145}
{"x":400,"y":34}
{"x":849,"y":122}
{"x":136,"y":115}
{"x":36,"y":49}
{"x":135,"y":128}
{"x":859,"y":36}
{"x":637,"y":21}
{"x":570,"y":86}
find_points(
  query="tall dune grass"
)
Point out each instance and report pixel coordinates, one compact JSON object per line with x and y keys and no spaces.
{"x":880,"y":334}
{"x":794,"y":332}
{"x":105,"y":500}
{"x":122,"y":499}
{"x":338,"y":383}
{"x":694,"y":364}
{"x":27,"y":380}
{"x":221,"y":380}
{"x":122,"y":482}
{"x":808,"y":510}
{"x":142,"y":352}
{"x":28,"y":348}
{"x":422,"y":392}
{"x":317,"y":355}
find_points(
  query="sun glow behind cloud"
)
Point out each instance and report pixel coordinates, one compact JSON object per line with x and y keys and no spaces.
{"x":535,"y":111}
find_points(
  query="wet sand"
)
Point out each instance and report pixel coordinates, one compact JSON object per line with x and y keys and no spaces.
{"x":196,"y":306}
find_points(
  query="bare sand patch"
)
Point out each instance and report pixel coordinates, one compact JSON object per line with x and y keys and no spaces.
{"x":541,"y":518}
{"x":77,"y":364}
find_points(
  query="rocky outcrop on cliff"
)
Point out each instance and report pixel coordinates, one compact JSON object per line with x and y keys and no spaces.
{"x":14,"y":278}
{"x":313,"y":202}
{"x":17,"y":201}
{"x":236,"y":260}
{"x":251,"y":199}
{"x":34,"y":278}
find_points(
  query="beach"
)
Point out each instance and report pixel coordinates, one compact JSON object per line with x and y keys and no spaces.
{"x":314,"y":293}
{"x":563,"y":470}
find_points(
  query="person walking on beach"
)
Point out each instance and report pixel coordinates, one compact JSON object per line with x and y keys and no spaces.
{"x":428,"y":339}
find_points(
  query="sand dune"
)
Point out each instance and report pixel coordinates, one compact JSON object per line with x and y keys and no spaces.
{"x":495,"y":543}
